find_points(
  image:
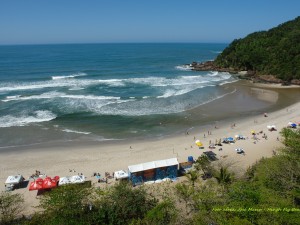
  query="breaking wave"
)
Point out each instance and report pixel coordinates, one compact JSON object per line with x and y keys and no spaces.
{"x":75,"y":131}
{"x":75,"y":84}
{"x":184,"y":67}
{"x":68,"y":76}
{"x":25,"y":119}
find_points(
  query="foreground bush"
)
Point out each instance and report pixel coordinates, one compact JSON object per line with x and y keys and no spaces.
{"x":11,"y":207}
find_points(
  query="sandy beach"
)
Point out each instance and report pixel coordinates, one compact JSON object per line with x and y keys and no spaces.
{"x":59,"y":159}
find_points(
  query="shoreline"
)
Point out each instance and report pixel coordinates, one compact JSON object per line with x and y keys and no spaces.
{"x":87,"y":158}
{"x":243,"y":99}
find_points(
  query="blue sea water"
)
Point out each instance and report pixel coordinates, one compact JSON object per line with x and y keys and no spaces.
{"x":102,"y":91}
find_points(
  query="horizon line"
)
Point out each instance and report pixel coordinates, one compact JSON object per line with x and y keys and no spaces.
{"x":93,"y":43}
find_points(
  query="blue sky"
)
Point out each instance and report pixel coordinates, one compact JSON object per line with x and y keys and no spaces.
{"x":102,"y":21}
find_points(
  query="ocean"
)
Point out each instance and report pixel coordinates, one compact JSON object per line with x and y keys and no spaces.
{"x":103,"y":92}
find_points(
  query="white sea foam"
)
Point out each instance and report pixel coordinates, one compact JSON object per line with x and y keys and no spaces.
{"x":90,"y":97}
{"x":76,"y":88}
{"x":68,"y":76}
{"x":58,"y":83}
{"x":214,"y":73}
{"x":184,"y":67}
{"x":113,"y":82}
{"x":171,"y":92}
{"x":25,"y":119}
{"x":75,"y":131}
{"x":217,"y":52}
{"x":83,"y":83}
{"x":227,"y":82}
{"x":164,"y":82}
{"x":55,"y":94}
{"x":47,"y":95}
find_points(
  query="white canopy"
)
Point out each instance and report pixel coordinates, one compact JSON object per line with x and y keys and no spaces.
{"x":153,"y":165}
{"x":71,"y":180}
{"x":121,"y":174}
{"x":77,"y":179}
{"x":14,"y":179}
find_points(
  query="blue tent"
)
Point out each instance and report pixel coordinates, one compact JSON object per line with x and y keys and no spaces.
{"x":190,"y":159}
{"x":230,"y":139}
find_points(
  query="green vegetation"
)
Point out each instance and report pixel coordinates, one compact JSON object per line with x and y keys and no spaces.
{"x":11,"y":205}
{"x":268,"y":193}
{"x":273,"y":52}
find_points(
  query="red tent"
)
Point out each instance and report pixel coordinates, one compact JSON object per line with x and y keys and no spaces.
{"x":56,"y":178}
{"x":50,"y":182}
{"x":36,"y":185}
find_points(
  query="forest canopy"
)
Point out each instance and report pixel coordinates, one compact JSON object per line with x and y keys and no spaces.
{"x":273,"y":52}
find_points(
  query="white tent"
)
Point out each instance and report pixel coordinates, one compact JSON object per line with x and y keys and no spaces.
{"x":64,"y":180}
{"x":77,"y":179}
{"x":13,"y":181}
{"x":71,"y":180}
{"x":121,"y":174}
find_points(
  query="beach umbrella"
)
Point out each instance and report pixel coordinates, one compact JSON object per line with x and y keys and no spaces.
{"x":36,"y":185}
{"x":252,"y":131}
{"x":198,"y":143}
{"x":237,"y":136}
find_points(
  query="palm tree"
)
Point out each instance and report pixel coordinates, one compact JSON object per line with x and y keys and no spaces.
{"x":223,"y":176}
{"x":192,"y":176}
{"x":203,"y":163}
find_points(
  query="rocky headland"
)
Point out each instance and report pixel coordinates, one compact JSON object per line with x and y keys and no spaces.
{"x":246,"y":74}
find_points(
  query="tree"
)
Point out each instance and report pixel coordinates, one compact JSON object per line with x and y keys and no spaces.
{"x":65,"y":205}
{"x":223,"y":176}
{"x":275,"y":52}
{"x":11,"y":206}
{"x":162,"y":214}
{"x":192,"y":175}
{"x":203,"y":163}
{"x":122,"y":204}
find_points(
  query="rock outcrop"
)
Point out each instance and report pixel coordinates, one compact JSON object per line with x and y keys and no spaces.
{"x":249,"y":75}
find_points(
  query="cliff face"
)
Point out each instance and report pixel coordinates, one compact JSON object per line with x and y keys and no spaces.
{"x":275,"y":52}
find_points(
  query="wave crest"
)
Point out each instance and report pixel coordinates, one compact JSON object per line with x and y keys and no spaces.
{"x":68,"y":76}
{"x":23,"y":120}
